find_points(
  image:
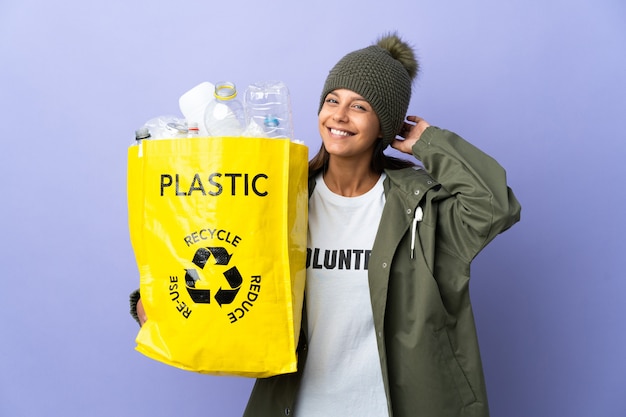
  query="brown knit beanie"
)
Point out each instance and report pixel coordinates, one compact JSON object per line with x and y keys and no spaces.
{"x":382,"y":74}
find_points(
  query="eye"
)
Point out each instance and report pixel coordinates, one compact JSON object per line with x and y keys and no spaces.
{"x":361,"y":107}
{"x":330,"y":100}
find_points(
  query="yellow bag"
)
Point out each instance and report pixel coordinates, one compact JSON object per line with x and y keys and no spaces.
{"x":218,"y":228}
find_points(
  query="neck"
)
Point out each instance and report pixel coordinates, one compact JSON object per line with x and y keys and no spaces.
{"x":349,"y":180}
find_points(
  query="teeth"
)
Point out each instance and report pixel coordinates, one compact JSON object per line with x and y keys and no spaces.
{"x":339,"y":132}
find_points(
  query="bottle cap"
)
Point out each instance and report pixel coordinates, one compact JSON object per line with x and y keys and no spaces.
{"x":225,"y":90}
{"x":142,"y":133}
{"x":271,"y":121}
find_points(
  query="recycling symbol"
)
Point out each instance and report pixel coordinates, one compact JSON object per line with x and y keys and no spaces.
{"x":232,"y":275}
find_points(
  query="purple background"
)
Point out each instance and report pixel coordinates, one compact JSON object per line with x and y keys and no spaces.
{"x":539,"y":84}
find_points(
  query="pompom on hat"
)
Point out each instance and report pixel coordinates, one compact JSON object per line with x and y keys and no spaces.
{"x":382,"y":74}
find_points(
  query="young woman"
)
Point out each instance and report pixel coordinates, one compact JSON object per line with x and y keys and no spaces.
{"x":387,"y":327}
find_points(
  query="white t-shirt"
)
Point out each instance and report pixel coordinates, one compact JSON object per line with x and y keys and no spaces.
{"x":342,"y":376}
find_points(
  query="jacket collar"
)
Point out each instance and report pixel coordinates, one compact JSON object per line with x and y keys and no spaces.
{"x":413,"y":182}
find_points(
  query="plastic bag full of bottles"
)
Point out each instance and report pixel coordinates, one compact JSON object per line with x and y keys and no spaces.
{"x":264,"y":110}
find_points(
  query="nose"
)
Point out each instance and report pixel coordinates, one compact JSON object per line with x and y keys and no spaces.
{"x":340,"y":114}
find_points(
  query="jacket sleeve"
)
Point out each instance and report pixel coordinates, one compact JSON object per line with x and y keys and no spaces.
{"x":478,"y":204}
{"x":134,"y":299}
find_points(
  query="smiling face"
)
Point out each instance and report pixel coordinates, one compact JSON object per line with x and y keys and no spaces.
{"x":348,"y":125}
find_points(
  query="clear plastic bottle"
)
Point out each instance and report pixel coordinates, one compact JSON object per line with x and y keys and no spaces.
{"x":225,"y":115}
{"x":176,"y":130}
{"x":165,"y":127}
{"x":268,"y":110}
{"x":193,"y":131}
